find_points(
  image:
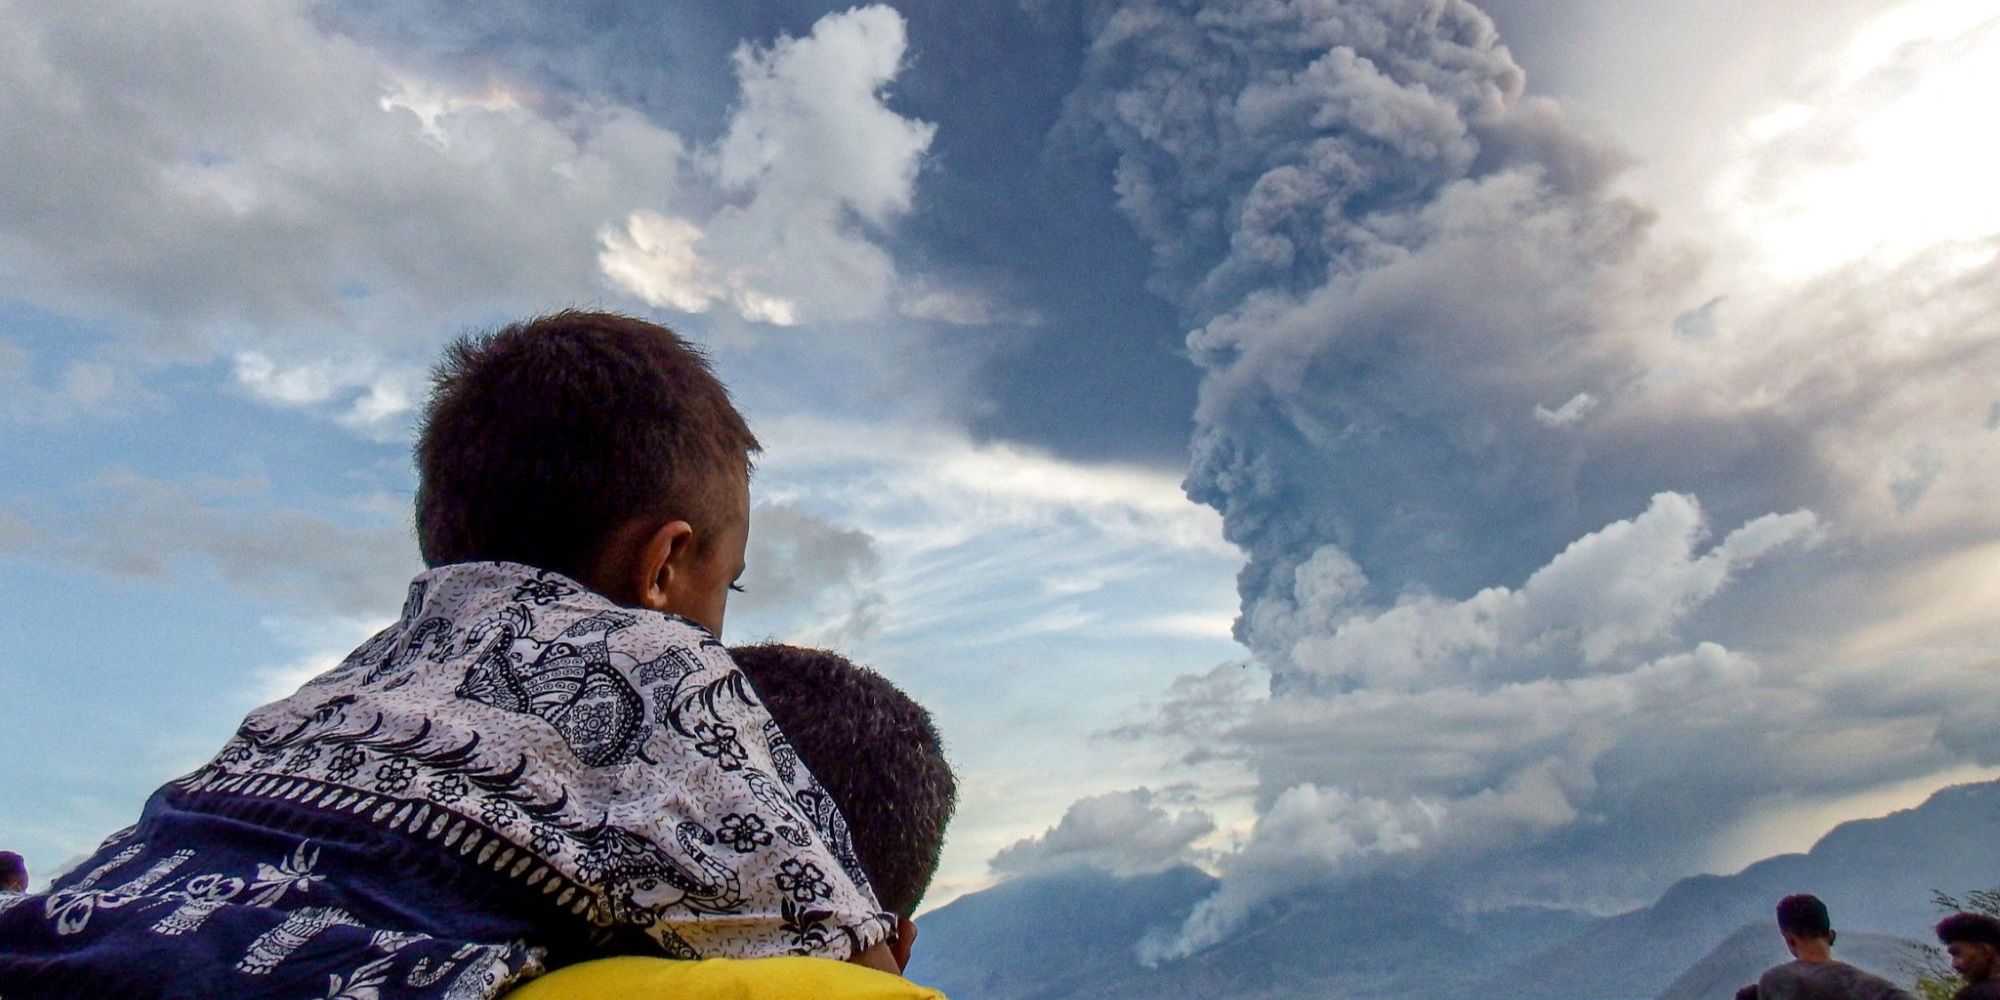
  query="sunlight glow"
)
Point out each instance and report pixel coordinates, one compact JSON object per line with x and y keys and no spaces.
{"x":1795,"y":825}
{"x":1890,"y":152}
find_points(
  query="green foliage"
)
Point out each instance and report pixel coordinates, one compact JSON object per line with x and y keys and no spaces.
{"x":1935,"y":980}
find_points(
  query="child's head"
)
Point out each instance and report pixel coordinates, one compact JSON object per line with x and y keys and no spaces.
{"x":876,"y":752}
{"x":568,"y":442}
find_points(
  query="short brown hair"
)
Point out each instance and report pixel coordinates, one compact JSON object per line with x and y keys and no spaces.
{"x":876,"y":752}
{"x":544,"y":436}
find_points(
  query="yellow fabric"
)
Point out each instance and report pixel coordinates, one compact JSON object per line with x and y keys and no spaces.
{"x":788,"y":978}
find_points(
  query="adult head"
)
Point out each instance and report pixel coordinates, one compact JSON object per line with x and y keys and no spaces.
{"x":879,"y":756}
{"x":1973,"y":942}
{"x":1806,"y":927}
{"x":593,"y":444}
{"x":13,"y":872}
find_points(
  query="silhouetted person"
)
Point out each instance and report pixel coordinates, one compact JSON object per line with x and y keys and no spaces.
{"x":13,"y":872}
{"x":1747,"y":993}
{"x":1973,"y":942}
{"x":1813,"y":974}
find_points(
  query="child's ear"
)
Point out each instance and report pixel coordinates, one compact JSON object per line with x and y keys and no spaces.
{"x":661,"y":569}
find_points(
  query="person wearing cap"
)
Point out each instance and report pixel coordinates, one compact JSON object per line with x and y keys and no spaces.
{"x":1813,"y":973}
{"x":1973,"y":942}
{"x":13,"y":872}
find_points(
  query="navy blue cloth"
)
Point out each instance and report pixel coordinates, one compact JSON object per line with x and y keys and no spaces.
{"x":218,"y":896}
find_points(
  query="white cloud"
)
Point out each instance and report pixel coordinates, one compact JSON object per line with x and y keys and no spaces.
{"x":359,"y":390}
{"x":925,"y":300}
{"x":1871,"y":157}
{"x":321,"y":643}
{"x":1307,"y":832}
{"x":1862,"y":392}
{"x":133,"y":525}
{"x":1122,"y":833}
{"x":990,"y":545}
{"x":1621,"y":589}
{"x":814,"y":164}
{"x":1005,"y":573}
{"x":655,"y":258}
{"x":822,"y":579}
{"x":80,"y":389}
{"x":1184,"y":625}
{"x":210,"y":179}
{"x":1569,"y":413}
{"x":964,"y":488}
{"x":222,"y":177}
{"x":432,"y":102}
{"x":813,"y":125}
{"x":1442,"y":731}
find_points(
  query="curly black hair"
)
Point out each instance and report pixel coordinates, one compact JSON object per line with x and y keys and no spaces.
{"x":1973,"y":928}
{"x":875,"y":750}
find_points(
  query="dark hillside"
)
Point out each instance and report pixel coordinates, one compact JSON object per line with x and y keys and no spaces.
{"x":1876,"y":875}
{"x":1744,"y":955}
{"x":1075,"y":936}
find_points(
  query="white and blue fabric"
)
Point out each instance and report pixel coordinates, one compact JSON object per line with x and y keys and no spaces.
{"x":517,"y":774}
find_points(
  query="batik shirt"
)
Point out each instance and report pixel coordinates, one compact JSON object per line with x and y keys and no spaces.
{"x":516,"y":774}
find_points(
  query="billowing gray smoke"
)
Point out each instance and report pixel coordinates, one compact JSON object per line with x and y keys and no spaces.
{"x":1487,"y":489}
{"x":1399,"y":263}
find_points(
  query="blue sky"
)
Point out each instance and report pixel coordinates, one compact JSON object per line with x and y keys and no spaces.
{"x":1586,"y":407}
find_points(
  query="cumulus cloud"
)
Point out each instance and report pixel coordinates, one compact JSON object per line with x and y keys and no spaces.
{"x":812,"y":122}
{"x":655,"y":258}
{"x":1121,"y":833}
{"x":1435,"y":727}
{"x":214,"y":180}
{"x":1619,"y":590}
{"x":816,"y":162}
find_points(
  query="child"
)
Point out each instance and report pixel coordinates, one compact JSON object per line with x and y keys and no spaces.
{"x":549,"y":756}
{"x":882,"y":761}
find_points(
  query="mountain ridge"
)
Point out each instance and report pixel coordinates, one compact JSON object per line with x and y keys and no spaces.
{"x":1074,"y":935}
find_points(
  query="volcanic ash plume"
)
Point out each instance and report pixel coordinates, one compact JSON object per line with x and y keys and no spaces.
{"x":1479,"y":476}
